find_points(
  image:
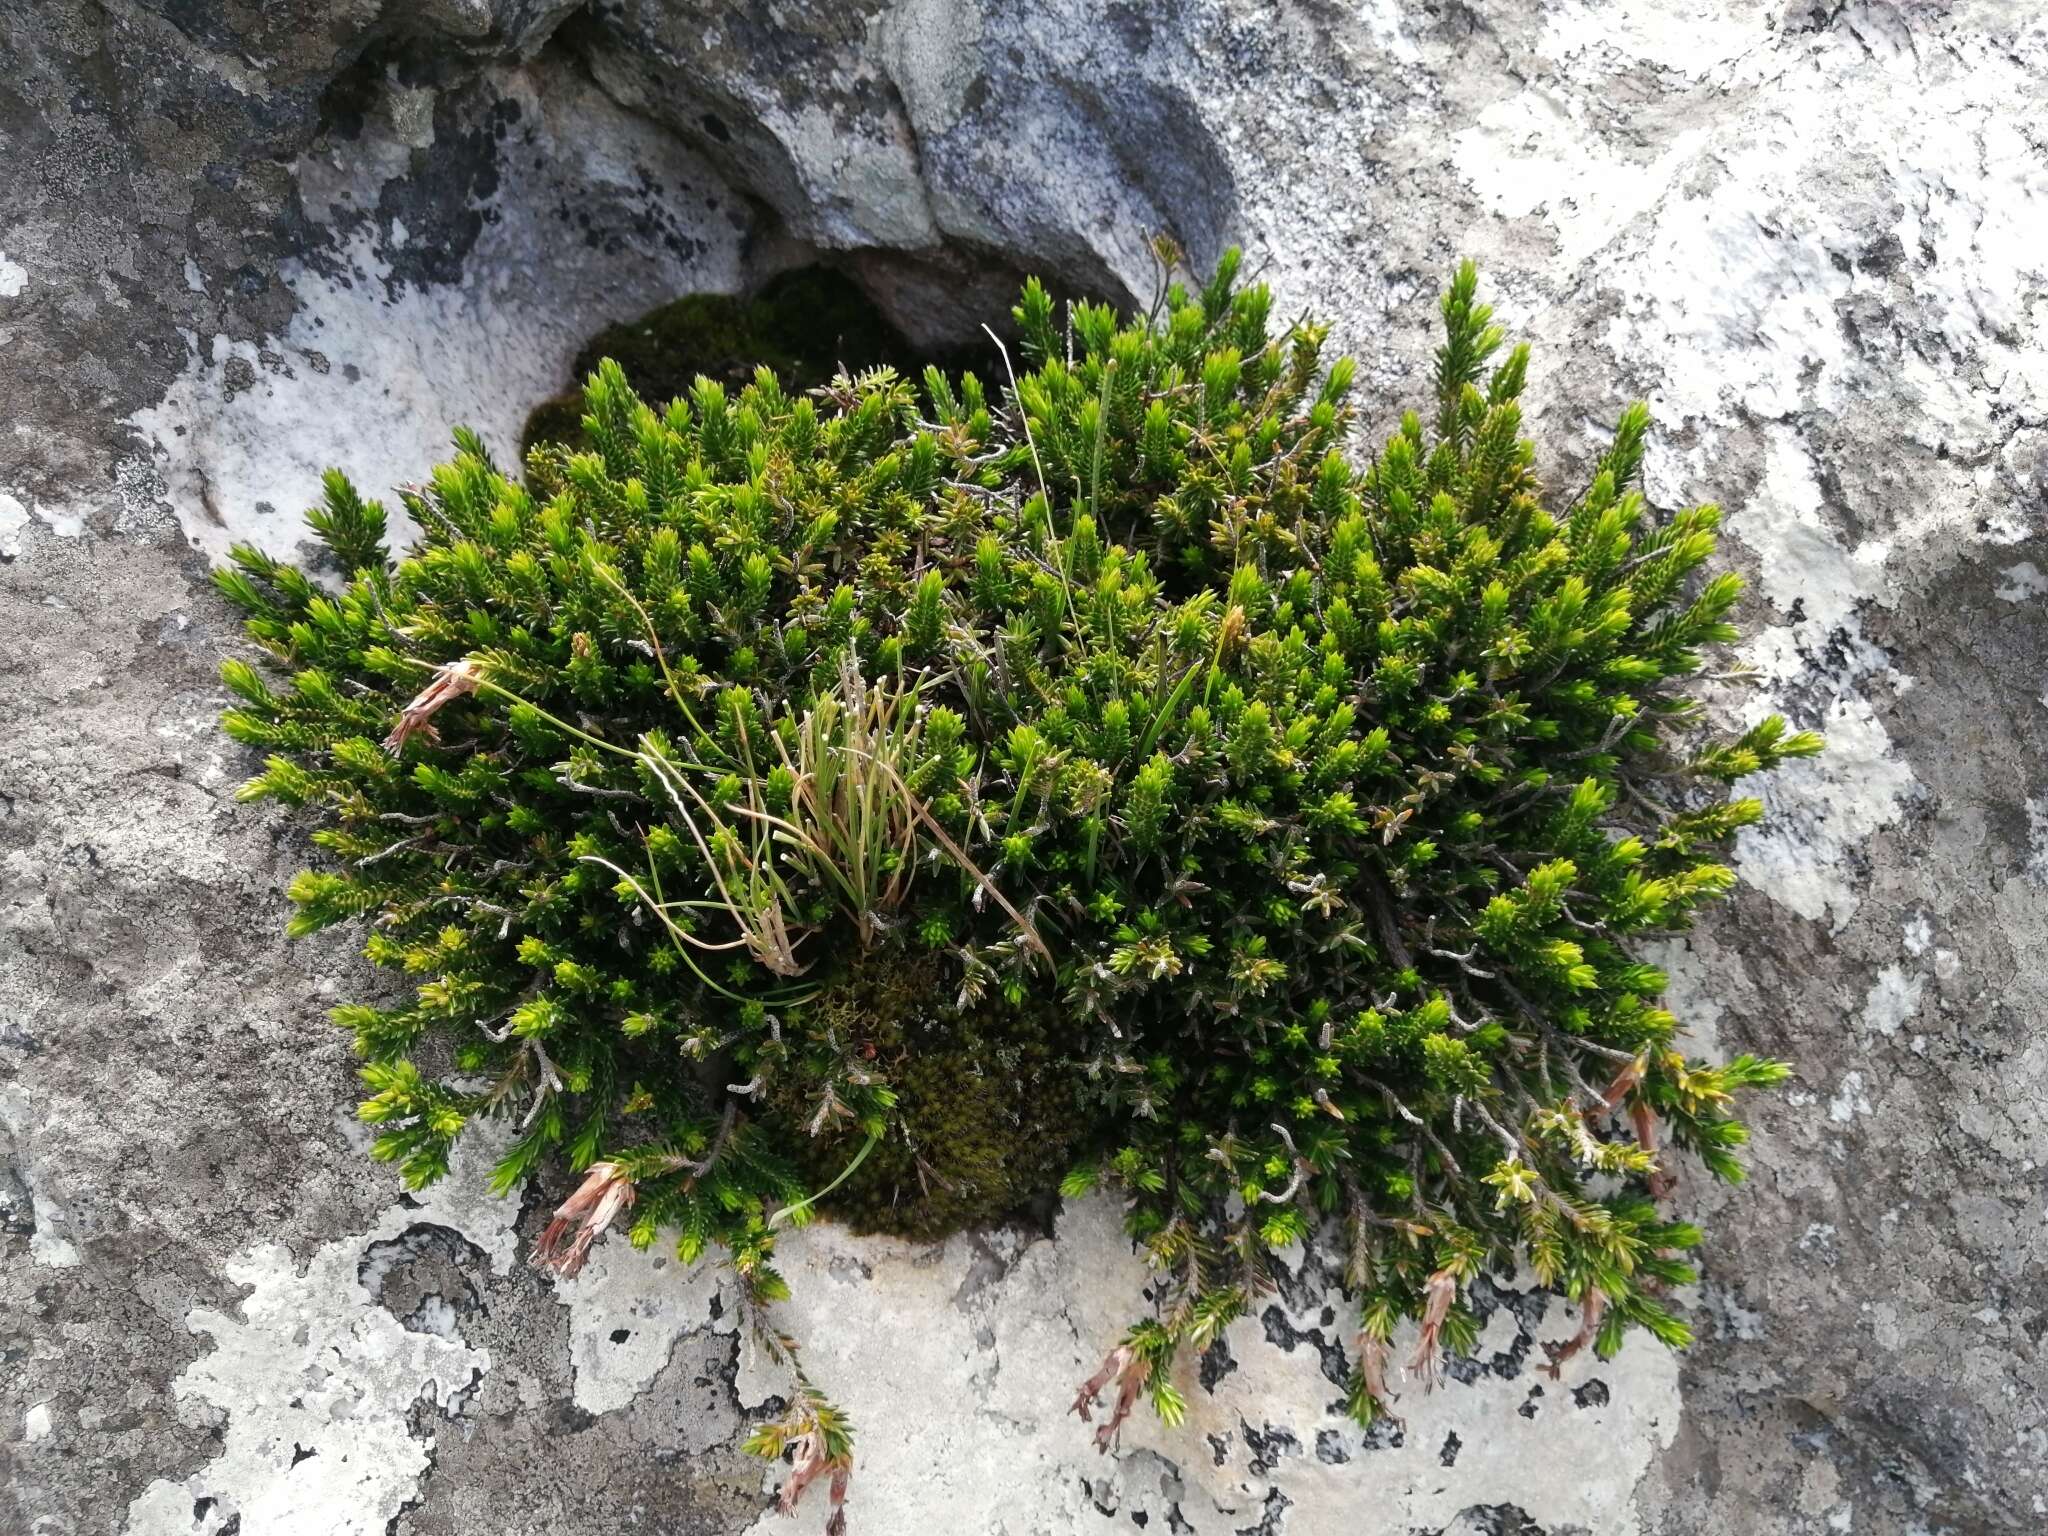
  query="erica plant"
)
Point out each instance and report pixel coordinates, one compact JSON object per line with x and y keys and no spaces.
{"x":906,"y":798}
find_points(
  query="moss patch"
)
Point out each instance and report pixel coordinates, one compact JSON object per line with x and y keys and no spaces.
{"x":988,"y":1102}
{"x":805,"y":325}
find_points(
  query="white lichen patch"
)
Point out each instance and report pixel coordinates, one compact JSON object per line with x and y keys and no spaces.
{"x":627,"y":1310}
{"x":1805,"y":571}
{"x":1917,"y":933}
{"x":1849,"y":1100}
{"x":47,"y":1244}
{"x":1822,"y":810}
{"x":1678,"y":37}
{"x":65,"y":522}
{"x":2037,"y":839}
{"x":13,"y":518}
{"x":1742,"y":254}
{"x":312,"y":1380}
{"x":371,"y":374}
{"x":1532,"y":153}
{"x":1893,"y":999}
{"x":1820,"y":813}
{"x":1694,"y":994}
{"x":2021,"y":583}
{"x":958,"y":1365}
{"x":13,"y":277}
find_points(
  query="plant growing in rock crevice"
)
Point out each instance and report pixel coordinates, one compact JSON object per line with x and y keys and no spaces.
{"x":1297,"y":823}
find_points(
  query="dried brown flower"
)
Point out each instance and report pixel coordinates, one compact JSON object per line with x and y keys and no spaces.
{"x":1662,"y":1181}
{"x":1126,"y":1367}
{"x":1232,"y":632}
{"x":812,"y":1461}
{"x":451,"y":682}
{"x":603,"y":1194}
{"x":1372,"y":1366}
{"x":1441,"y":1289}
{"x":1591,"y":1309}
{"x":1623,"y":1085}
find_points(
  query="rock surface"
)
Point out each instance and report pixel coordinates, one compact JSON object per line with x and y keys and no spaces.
{"x":238,"y":243}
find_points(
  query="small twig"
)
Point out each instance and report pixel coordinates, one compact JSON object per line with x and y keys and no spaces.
{"x":397,"y":847}
{"x":568,"y":782}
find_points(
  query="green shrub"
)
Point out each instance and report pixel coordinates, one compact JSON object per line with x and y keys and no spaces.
{"x":906,"y":790}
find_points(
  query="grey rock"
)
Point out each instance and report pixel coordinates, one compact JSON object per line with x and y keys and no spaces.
{"x":239,"y":242}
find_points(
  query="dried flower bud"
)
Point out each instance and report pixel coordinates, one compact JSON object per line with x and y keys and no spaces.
{"x":1440,"y":1290}
{"x":1372,"y":1366}
{"x":810,"y":1461}
{"x":1591,"y":1309}
{"x":806,"y":1466}
{"x":451,"y":682}
{"x":598,"y":1200}
{"x":1662,"y":1182}
{"x":1623,"y":1085}
{"x":1126,"y":1367}
{"x":1232,"y":631}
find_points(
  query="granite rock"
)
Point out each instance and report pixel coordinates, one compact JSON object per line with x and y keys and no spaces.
{"x":241,"y":242}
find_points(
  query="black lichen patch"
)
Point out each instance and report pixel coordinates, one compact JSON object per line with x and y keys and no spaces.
{"x":425,"y":1277}
{"x":1495,"y":1520}
{"x":17,"y":1208}
{"x":805,"y":326}
{"x":1269,"y":1444}
{"x":1281,"y":1332}
{"x":1385,"y":1433}
{"x":1217,"y":1363}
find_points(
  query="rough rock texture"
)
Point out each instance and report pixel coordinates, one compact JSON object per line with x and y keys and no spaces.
{"x":239,"y":242}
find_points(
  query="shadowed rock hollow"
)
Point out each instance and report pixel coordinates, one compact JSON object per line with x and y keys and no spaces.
{"x":239,"y":244}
